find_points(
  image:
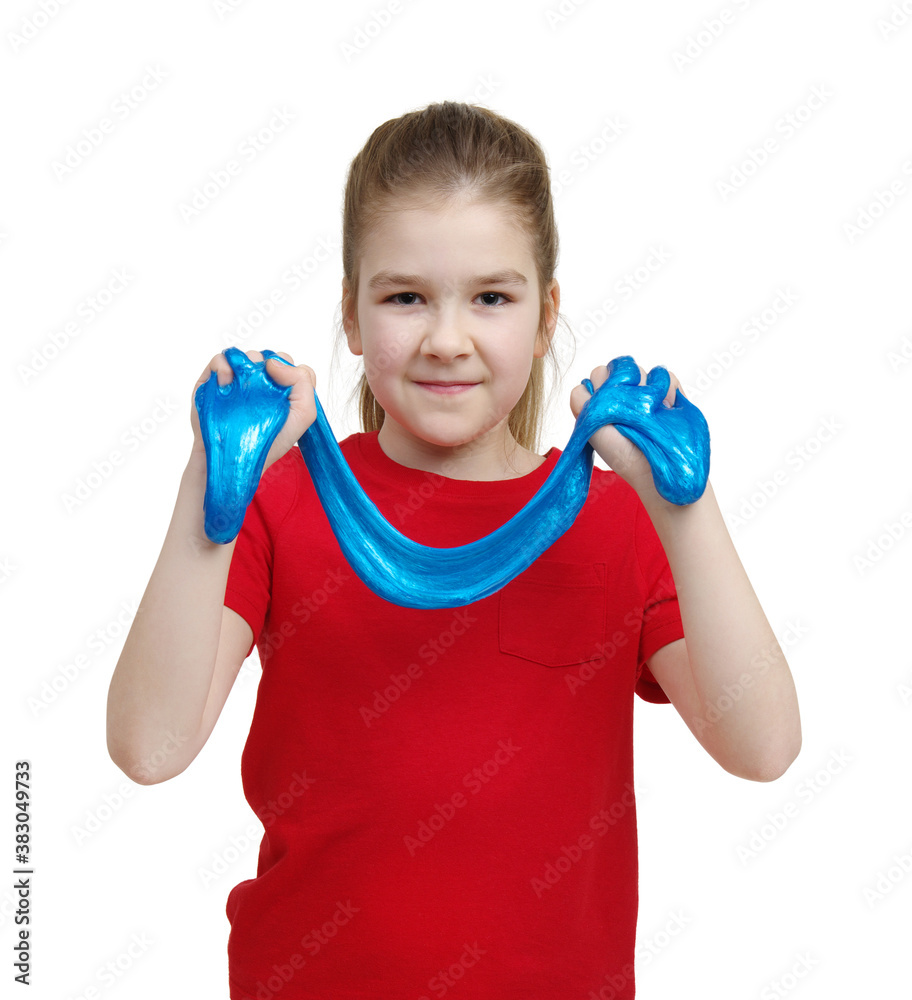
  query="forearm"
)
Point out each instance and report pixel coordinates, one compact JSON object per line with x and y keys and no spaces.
{"x":162,"y":679}
{"x":748,"y":704}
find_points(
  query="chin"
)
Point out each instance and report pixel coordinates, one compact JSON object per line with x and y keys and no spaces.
{"x":448,"y":435}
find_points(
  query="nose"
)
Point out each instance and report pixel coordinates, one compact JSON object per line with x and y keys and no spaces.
{"x":446,"y":336}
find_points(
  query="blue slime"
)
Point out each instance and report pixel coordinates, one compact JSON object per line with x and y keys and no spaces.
{"x":239,"y":422}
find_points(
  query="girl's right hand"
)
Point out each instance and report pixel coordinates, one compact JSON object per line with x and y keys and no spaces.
{"x":302,"y":408}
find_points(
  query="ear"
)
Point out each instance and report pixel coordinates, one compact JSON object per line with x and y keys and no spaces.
{"x":552,"y":310}
{"x":350,"y":319}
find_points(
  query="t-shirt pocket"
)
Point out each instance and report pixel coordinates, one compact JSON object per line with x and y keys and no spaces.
{"x":554,"y":613}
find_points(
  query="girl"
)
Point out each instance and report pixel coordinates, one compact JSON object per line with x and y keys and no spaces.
{"x":446,"y":794}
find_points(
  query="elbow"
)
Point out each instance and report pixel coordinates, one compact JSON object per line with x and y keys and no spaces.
{"x":145,"y":768}
{"x":773,"y":766}
{"x":141,"y":773}
{"x":131,"y":766}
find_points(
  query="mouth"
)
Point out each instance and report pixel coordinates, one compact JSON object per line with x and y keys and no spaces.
{"x":446,"y":387}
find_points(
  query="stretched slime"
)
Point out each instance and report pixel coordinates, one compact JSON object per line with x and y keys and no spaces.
{"x":240,"y":420}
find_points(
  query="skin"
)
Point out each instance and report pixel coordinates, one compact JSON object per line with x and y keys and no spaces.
{"x":728,"y":678}
{"x":185,"y":647}
{"x":438,"y":325}
{"x":444,"y":325}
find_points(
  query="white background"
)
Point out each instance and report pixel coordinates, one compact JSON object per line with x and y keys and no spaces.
{"x":828,"y":377}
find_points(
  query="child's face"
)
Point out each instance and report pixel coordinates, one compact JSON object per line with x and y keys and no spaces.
{"x":447,"y":318}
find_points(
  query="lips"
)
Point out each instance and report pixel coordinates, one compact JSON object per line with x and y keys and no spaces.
{"x":446,"y":387}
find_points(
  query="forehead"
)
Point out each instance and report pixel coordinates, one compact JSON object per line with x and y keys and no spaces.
{"x":448,"y":228}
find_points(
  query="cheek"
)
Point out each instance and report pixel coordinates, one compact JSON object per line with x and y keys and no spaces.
{"x":391,"y":338}
{"x":383,"y":352}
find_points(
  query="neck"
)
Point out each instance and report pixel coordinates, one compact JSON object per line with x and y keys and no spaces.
{"x":495,"y":455}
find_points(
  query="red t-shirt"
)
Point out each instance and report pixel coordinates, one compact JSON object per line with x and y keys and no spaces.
{"x":447,"y":795}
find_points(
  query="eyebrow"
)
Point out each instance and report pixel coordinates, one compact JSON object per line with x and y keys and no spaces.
{"x":509,"y":276}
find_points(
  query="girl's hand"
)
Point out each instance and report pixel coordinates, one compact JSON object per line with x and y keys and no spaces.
{"x":619,"y":453}
{"x":302,"y":409}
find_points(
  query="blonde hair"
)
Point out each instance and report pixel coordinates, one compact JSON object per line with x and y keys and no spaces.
{"x":443,"y":150}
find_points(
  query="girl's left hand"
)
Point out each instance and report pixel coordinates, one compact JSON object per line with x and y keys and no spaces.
{"x":620,"y":454}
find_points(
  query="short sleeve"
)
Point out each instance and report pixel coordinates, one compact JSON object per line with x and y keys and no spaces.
{"x":249,"y":583}
{"x":661,"y":614}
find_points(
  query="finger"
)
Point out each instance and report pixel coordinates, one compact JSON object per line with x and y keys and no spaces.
{"x":668,"y":384}
{"x":237,"y":360}
{"x":219,"y":365}
{"x":579,"y":396}
{"x":287,"y":373}
{"x":598,"y":376}
{"x":624,"y":371}
{"x":659,"y":379}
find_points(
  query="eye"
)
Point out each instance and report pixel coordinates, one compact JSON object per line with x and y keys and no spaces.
{"x":399,"y":295}
{"x":493,"y":295}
